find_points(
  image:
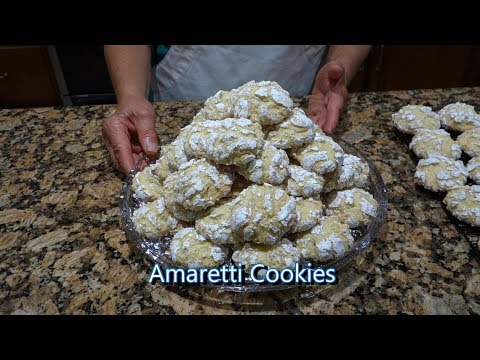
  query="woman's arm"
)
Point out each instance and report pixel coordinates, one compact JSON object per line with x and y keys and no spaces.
{"x":130,"y":132}
{"x":129,"y":68}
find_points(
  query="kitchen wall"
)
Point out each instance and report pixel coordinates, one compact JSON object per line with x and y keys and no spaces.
{"x":392,"y":67}
{"x":76,"y":75}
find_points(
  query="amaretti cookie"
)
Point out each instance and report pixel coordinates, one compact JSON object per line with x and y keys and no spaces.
{"x":263,"y":214}
{"x":470,"y":142}
{"x":301,"y":182}
{"x":270,"y":166}
{"x":464,"y":203}
{"x":217,"y":107}
{"x":216,"y":226}
{"x":153,"y":219}
{"x":329,"y":240}
{"x":428,"y":143}
{"x":321,"y":156}
{"x":440,"y":173}
{"x":459,"y":117}
{"x":189,"y":249}
{"x":309,"y":212}
{"x":352,"y":172}
{"x":354,"y":207}
{"x":473,"y":168}
{"x":146,"y":186}
{"x":176,"y":154}
{"x":282,"y":255}
{"x":295,"y":131}
{"x":229,"y":141}
{"x":263,"y":102}
{"x":411,"y":118}
{"x":197,"y":185}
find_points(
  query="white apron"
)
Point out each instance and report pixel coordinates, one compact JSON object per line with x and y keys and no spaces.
{"x":196,"y":72}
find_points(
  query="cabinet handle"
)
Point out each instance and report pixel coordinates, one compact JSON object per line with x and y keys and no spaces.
{"x":3,"y":76}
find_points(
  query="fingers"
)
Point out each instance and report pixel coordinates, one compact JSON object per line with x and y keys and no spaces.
{"x":330,"y":75}
{"x":316,"y":109}
{"x":112,"y":156}
{"x":117,"y":138}
{"x":328,"y":96}
{"x":334,"y":108}
{"x":124,"y":158}
{"x":144,"y":120}
{"x":335,"y":70}
{"x":138,"y":157}
{"x":137,"y":149}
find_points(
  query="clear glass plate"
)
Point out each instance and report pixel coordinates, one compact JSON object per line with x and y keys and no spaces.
{"x":157,"y":250}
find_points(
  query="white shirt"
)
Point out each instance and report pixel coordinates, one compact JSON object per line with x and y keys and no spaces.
{"x":196,"y":72}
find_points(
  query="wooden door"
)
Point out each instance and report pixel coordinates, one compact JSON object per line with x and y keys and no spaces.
{"x":26,"y":78}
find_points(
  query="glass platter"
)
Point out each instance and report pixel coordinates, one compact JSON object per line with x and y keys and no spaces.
{"x":157,"y":250}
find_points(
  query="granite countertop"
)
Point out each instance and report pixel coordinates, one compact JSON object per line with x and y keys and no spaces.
{"x":62,"y":248}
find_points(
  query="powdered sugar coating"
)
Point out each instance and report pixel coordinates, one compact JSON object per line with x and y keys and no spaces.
{"x":215,"y":225}
{"x":304,"y":183}
{"x":439,"y":173}
{"x":264,"y":102}
{"x":197,"y":185}
{"x":176,"y":154}
{"x":309,"y":212}
{"x":270,"y":166}
{"x":153,"y":219}
{"x":354,"y":207}
{"x":182,"y":213}
{"x":189,"y":249}
{"x":473,"y":168}
{"x":263,"y":214}
{"x":470,"y":142}
{"x":459,"y":117}
{"x":411,"y":118}
{"x":352,"y":172}
{"x":229,"y":141}
{"x":464,"y":203}
{"x":321,"y":156}
{"x":428,"y":143}
{"x":295,"y":131}
{"x":329,"y":240}
{"x":160,"y":168}
{"x":217,"y":107}
{"x":281,"y":255}
{"x":146,"y":186}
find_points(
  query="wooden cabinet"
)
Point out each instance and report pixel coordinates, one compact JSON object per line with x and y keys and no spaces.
{"x":26,"y":78}
{"x":419,"y":67}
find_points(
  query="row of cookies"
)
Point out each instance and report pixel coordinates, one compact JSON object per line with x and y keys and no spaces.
{"x":258,"y":217}
{"x":315,"y":233}
{"x":439,"y":168}
{"x":199,"y":184}
{"x":153,"y":219}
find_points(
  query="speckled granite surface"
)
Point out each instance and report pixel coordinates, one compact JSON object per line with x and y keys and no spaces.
{"x":62,"y":249}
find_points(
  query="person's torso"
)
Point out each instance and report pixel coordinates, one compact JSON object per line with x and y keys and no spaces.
{"x":196,"y":72}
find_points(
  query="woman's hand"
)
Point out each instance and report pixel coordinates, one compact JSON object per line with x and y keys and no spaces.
{"x":129,"y":133}
{"x":328,"y":97}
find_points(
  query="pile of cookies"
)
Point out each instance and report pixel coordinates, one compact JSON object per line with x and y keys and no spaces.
{"x":440,"y":168}
{"x":252,"y":179}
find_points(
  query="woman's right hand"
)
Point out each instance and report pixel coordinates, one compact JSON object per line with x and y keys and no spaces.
{"x":129,"y":133}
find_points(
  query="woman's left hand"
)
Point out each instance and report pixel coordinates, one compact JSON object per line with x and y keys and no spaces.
{"x":328,"y":96}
